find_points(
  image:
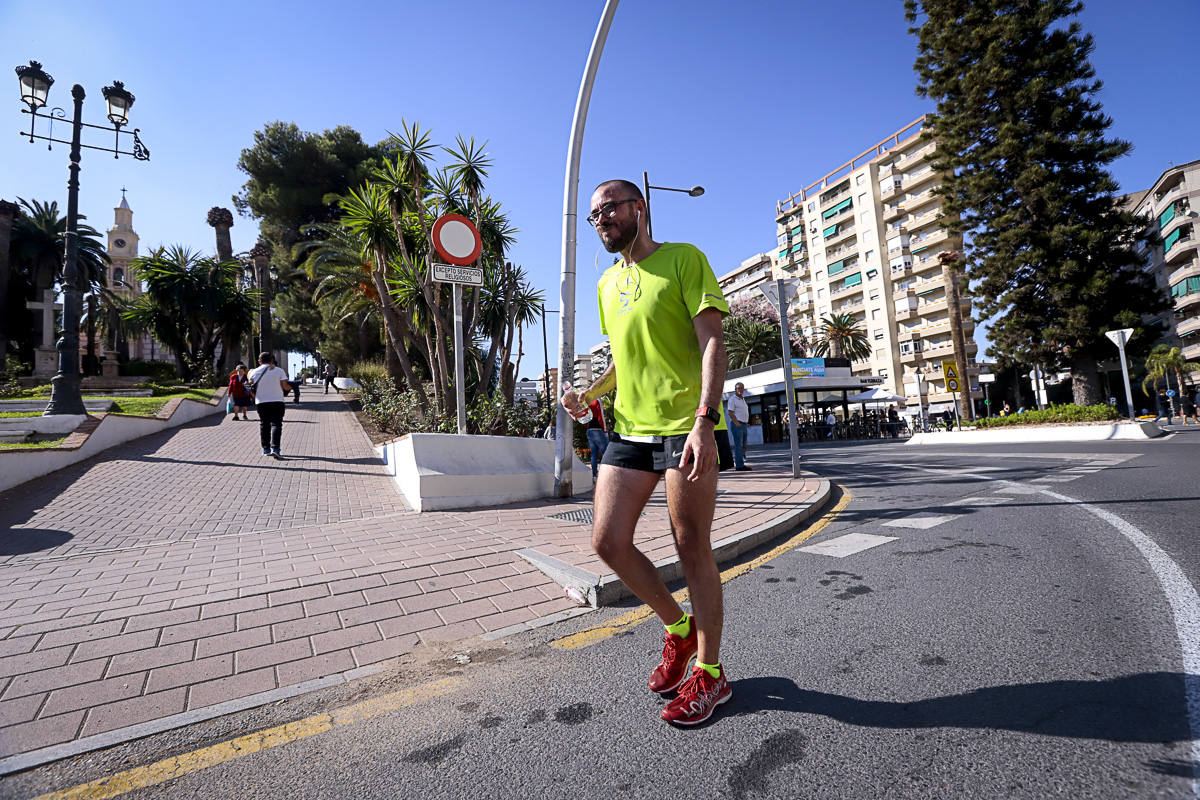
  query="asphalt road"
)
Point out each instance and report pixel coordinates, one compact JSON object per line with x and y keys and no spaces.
{"x":1004,"y":640}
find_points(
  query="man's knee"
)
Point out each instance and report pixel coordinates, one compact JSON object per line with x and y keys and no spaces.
{"x":610,"y":546}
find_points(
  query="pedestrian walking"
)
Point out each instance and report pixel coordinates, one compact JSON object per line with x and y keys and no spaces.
{"x":597,"y":434}
{"x":830,"y":423}
{"x":661,"y":307}
{"x":329,"y":374}
{"x":1196,"y":407}
{"x":1163,"y":406}
{"x":893,"y":417}
{"x":240,"y":398}
{"x":738,"y":414}
{"x":270,"y":386}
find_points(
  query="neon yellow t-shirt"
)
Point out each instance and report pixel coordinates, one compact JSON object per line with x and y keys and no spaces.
{"x":647,"y":309}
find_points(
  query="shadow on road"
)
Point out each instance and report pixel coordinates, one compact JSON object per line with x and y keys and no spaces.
{"x":1146,"y":707}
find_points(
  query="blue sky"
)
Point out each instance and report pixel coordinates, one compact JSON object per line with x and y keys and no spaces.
{"x":753,"y":101}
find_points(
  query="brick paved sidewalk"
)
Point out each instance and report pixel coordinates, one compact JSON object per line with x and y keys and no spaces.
{"x":185,"y":569}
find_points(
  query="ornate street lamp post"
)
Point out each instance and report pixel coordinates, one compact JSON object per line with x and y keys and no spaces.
{"x":35,"y":90}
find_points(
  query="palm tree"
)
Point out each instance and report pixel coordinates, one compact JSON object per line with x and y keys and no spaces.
{"x":749,"y":342}
{"x":1164,"y":360}
{"x":192,"y":304}
{"x":366,"y":215}
{"x":39,"y":246}
{"x":842,"y":337}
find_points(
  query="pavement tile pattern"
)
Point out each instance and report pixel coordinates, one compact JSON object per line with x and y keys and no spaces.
{"x":185,"y":569}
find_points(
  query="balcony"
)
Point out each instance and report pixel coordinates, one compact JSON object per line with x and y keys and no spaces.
{"x":841,"y":235}
{"x":888,"y":187}
{"x":1169,"y":195}
{"x":1189,"y":325}
{"x":1192,"y":352}
{"x":1187,"y":301}
{"x":835,"y":196}
{"x":911,"y":357}
{"x":1182,"y":243}
{"x":833,"y":253}
{"x":1188,"y":270}
{"x":849,"y":306}
{"x":920,"y":201}
{"x":901,"y":271}
{"x":846,"y":291}
{"x":892,"y":211}
{"x":918,"y":178}
{"x":929,"y":238}
{"x":921,"y":220}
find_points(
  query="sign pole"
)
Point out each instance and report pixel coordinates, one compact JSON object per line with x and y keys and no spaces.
{"x":1119,"y":338}
{"x":783,"y":298}
{"x":460,"y":371}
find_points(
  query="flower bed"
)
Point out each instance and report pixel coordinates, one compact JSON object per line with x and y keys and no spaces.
{"x":1065,"y":413}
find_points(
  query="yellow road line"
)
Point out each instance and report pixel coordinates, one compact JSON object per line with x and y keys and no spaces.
{"x":612,"y":627}
{"x":170,"y":768}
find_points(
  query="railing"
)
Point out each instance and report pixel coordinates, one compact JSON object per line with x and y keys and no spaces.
{"x":1180,"y":274}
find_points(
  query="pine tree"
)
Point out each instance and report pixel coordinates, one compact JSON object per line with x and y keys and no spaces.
{"x":1052,"y":254}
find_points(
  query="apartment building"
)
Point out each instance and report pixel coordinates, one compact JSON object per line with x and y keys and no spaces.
{"x":1173,"y":259}
{"x":601,"y":355}
{"x":742,"y":283}
{"x":864,"y":239}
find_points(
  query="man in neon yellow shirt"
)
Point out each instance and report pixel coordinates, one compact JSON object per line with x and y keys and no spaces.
{"x":661,"y":307}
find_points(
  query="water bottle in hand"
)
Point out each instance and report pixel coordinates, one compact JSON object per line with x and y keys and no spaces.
{"x":586,"y":416}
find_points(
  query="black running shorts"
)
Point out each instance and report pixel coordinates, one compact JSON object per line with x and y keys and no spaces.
{"x":659,"y":456}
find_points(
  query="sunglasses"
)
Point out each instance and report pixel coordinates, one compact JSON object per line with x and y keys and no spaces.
{"x":607,"y":211}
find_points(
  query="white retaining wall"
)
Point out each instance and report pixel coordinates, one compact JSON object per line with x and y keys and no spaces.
{"x":19,"y":466}
{"x":441,"y":471}
{"x":1043,"y":433}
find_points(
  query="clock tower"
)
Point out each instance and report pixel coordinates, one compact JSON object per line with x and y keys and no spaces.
{"x":122,"y":249}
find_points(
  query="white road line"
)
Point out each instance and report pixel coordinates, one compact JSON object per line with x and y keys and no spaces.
{"x":1180,"y":593}
{"x":848,"y":545}
{"x":990,"y":500}
{"x":919,"y":521}
{"x":1185,"y":607}
{"x":1019,"y":488}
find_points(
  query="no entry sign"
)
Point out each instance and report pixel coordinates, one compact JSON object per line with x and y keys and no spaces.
{"x":456,"y":239}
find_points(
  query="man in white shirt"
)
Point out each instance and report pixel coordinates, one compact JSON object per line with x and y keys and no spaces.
{"x":830,"y":422}
{"x":270,"y":385}
{"x":739,"y":417}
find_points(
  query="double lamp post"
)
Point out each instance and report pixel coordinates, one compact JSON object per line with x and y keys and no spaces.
{"x":35,"y":89}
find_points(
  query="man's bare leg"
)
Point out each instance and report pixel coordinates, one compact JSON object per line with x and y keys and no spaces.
{"x":691,"y":505}
{"x":620,"y":496}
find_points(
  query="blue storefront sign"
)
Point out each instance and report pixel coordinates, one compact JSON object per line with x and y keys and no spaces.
{"x":808,"y":368}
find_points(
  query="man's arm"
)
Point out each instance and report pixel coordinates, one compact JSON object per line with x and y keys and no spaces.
{"x":701,"y":446}
{"x":576,"y":401}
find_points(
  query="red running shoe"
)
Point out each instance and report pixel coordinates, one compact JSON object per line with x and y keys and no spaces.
{"x":678,"y":652}
{"x":698,"y":697}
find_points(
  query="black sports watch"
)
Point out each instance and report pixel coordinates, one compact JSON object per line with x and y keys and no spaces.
{"x":709,"y":413}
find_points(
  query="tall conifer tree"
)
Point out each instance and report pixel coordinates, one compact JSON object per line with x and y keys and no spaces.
{"x":1052,"y":255}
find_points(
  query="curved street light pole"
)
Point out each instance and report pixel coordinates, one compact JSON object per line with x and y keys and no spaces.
{"x":563,"y":454}
{"x":695,"y":191}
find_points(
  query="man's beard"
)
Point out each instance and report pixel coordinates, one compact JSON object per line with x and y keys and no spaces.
{"x":621,"y":238}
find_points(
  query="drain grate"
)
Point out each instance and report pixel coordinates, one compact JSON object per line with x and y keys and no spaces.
{"x":583,"y":516}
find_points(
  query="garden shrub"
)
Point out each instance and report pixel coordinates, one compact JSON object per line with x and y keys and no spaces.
{"x":158,"y":371}
{"x":398,"y":412}
{"x":1065,"y":412}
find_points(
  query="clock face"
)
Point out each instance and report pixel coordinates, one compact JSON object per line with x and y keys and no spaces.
{"x":119,"y":242}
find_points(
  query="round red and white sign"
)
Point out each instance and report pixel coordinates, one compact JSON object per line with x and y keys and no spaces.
{"x":457,"y":239}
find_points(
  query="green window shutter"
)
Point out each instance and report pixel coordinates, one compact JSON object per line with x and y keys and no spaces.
{"x":1170,"y":241}
{"x":928,"y":291}
{"x":921,"y":249}
{"x":854,"y":280}
{"x":830,"y":231}
{"x":1193,"y":285}
{"x":1167,"y":216}
{"x":782,"y":253}
{"x":837,"y":267}
{"x":839,"y":208}
{"x":796,"y":248}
